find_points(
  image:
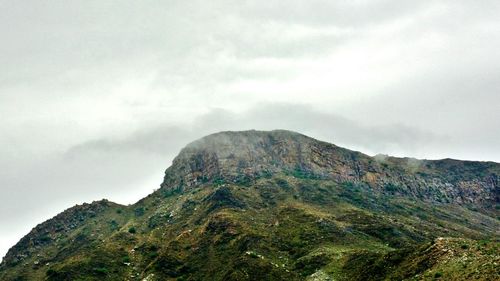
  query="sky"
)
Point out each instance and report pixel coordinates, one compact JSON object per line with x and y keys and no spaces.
{"x":97,"y":97}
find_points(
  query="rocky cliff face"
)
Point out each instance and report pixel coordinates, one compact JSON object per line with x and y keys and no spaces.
{"x":245,"y":156}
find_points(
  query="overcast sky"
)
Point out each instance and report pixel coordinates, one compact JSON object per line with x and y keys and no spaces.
{"x":97,"y":97}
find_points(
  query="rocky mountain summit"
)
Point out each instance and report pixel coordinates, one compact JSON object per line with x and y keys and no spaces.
{"x":245,"y":156}
{"x":278,"y":205}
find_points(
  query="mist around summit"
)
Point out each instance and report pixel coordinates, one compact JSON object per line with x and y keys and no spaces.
{"x":97,"y":98}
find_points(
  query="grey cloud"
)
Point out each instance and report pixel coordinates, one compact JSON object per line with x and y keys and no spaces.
{"x":48,"y":53}
{"x":343,"y":13}
{"x":97,"y":97}
{"x":169,"y":138}
{"x":327,"y":126}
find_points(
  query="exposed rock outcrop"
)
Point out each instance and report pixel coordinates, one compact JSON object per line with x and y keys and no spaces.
{"x":244,"y":156}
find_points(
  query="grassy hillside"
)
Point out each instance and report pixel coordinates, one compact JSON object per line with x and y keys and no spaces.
{"x":280,"y":206}
{"x":275,"y":228}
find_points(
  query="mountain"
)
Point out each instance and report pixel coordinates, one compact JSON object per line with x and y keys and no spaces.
{"x":278,"y":205}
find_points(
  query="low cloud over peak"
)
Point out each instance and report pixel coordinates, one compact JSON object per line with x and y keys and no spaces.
{"x":96,"y":98}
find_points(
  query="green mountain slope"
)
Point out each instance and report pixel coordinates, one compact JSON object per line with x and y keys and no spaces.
{"x":280,"y":206}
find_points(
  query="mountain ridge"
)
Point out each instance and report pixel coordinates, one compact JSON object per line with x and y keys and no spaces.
{"x":278,"y":205}
{"x":274,"y":151}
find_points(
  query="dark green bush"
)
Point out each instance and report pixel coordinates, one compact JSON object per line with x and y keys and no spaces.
{"x":139,"y":211}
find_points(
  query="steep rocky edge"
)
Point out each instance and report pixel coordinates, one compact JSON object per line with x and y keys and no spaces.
{"x":245,"y":156}
{"x":279,"y":205}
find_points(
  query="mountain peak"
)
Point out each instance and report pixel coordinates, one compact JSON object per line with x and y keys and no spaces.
{"x":247,"y":139}
{"x":244,"y":156}
{"x":249,"y":154}
{"x":256,"y":205}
